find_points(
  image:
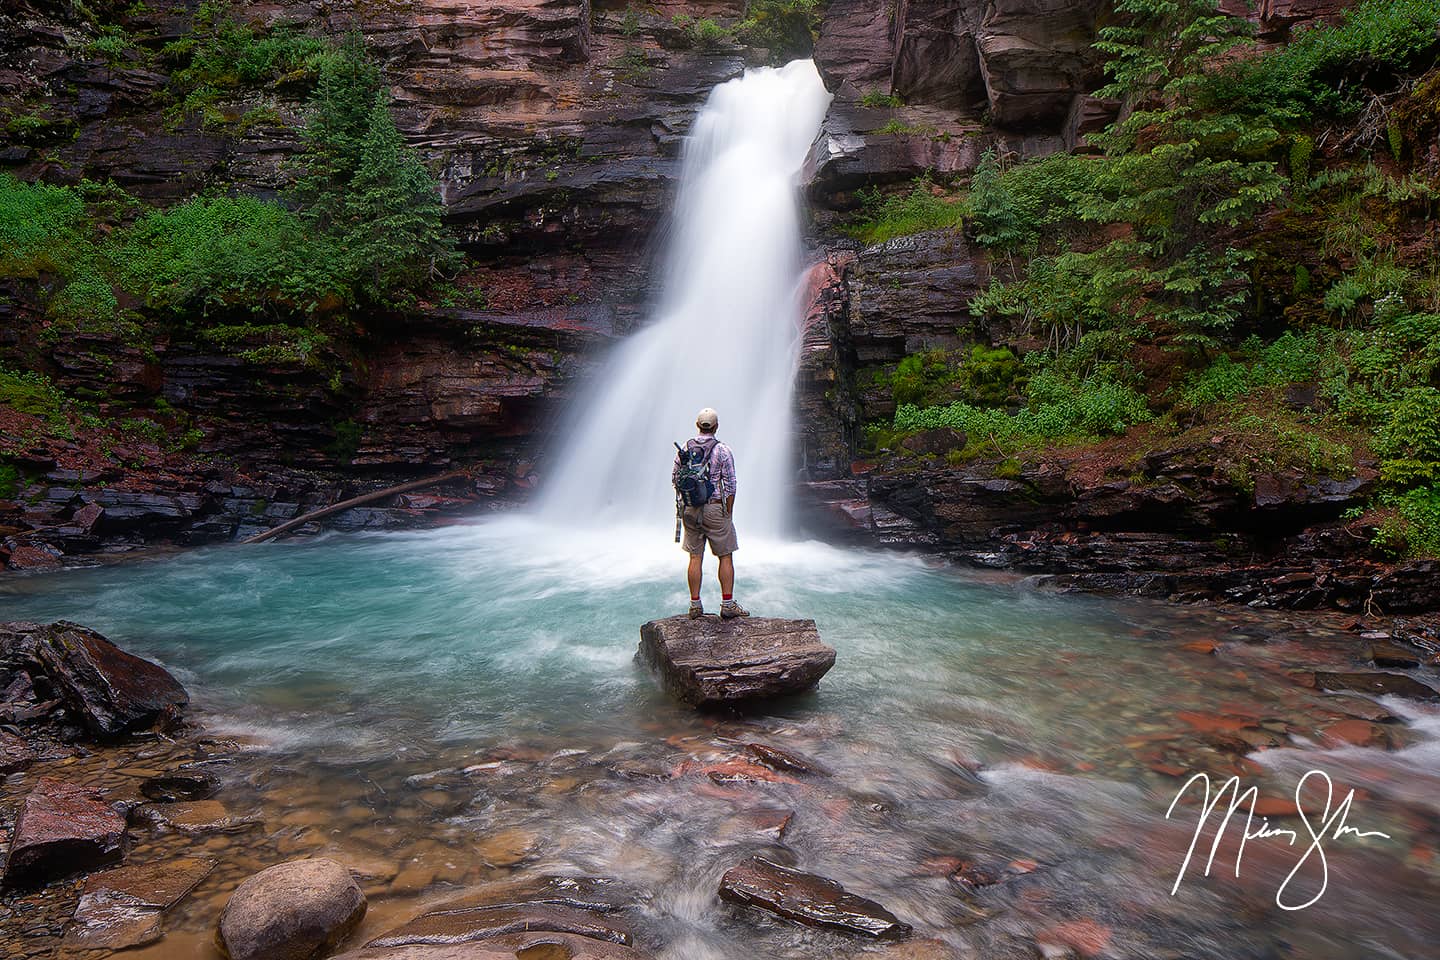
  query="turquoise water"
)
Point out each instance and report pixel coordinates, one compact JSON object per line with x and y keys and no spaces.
{"x":448,"y":685}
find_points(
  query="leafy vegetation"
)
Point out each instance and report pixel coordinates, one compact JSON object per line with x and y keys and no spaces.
{"x":1226,"y":262}
{"x":787,"y":28}
{"x":362,"y":226}
{"x":925,"y":207}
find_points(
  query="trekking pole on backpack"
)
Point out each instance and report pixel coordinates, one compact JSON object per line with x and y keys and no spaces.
{"x":679,"y":501}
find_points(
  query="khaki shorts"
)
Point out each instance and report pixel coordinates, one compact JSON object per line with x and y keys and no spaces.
{"x":709,"y":523}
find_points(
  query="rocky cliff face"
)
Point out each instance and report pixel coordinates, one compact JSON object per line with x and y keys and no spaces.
{"x":926,"y":88}
{"x":555,"y":129}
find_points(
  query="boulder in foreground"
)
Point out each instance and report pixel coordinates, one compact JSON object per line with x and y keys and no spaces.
{"x":710,"y":662}
{"x":63,"y":828}
{"x":807,"y":899}
{"x":110,"y":691}
{"x":292,"y":911}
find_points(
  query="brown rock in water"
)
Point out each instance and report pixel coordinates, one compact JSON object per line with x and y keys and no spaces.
{"x":63,"y":828}
{"x":15,"y":753}
{"x":710,"y":662}
{"x":532,"y":945}
{"x":1383,"y":653}
{"x":111,"y":691}
{"x":293,"y":911}
{"x":783,"y":760}
{"x":180,"y":786}
{"x":483,"y":923}
{"x":1377,"y":684}
{"x":125,"y":907}
{"x":807,"y":899}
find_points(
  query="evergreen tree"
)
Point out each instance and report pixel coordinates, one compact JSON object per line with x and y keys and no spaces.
{"x":337,"y":126}
{"x":392,"y":235}
{"x":1176,"y":172}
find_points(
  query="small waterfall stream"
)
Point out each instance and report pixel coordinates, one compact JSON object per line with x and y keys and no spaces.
{"x":725,"y":335}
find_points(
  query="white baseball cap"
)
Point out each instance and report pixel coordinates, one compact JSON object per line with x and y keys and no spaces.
{"x":707,"y":419}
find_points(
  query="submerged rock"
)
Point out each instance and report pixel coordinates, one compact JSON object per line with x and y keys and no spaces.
{"x":807,"y":898}
{"x":125,"y":907}
{"x":709,"y":662}
{"x":15,"y":753}
{"x":292,"y":911}
{"x":487,"y":922}
{"x":112,"y":692}
{"x":537,"y":944}
{"x":181,"y":786}
{"x":1378,"y":684}
{"x":63,"y":828}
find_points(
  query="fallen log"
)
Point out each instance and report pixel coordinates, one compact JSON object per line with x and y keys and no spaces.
{"x":300,"y":521}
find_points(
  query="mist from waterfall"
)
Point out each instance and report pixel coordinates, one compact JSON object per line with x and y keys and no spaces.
{"x":726,"y":334}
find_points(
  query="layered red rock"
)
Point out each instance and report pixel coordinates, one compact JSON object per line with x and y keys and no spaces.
{"x":806,"y":898}
{"x":710,"y":662}
{"x":63,"y":828}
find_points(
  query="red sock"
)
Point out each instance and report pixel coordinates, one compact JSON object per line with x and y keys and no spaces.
{"x":727,"y":597}
{"x":695,"y":599}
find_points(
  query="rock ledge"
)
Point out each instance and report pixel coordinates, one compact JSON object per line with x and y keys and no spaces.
{"x":709,"y":662}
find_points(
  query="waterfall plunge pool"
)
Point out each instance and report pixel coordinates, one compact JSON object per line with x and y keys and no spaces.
{"x":452,"y":708}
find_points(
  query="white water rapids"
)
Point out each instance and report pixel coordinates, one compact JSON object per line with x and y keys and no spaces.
{"x":726,"y":333}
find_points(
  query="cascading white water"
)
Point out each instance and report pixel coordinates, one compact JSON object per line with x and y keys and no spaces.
{"x":726,"y":335}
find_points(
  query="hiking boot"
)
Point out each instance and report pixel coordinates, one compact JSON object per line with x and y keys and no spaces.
{"x":729,"y":610}
{"x":697,"y":610}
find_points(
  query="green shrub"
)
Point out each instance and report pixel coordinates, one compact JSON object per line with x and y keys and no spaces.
{"x":1291,"y":358}
{"x":898,"y":215}
{"x":30,"y":392}
{"x":1408,"y":439}
{"x":228,"y":253}
{"x":1411,"y":526}
{"x":1058,"y":411}
{"x":786,"y":28}
{"x":10,"y":480}
{"x":875,"y":100}
{"x":40,"y":228}
{"x":1326,"y":70}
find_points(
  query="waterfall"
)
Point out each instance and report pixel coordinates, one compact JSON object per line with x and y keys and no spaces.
{"x":726,"y":333}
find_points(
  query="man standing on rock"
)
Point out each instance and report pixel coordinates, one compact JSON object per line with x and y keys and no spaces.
{"x":712,"y":521}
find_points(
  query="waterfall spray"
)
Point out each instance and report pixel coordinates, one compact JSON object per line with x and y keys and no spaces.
{"x":726,"y":334}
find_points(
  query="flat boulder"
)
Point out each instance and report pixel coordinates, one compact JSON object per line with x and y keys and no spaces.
{"x":808,"y":899}
{"x":293,"y":911}
{"x":537,"y":944}
{"x":487,"y":922}
{"x":63,"y":828}
{"x":126,"y":907}
{"x":111,"y":691}
{"x":710,"y":662}
{"x":1377,"y":684}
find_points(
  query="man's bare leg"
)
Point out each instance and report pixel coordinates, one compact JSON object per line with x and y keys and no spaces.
{"x":692,"y":576}
{"x":727,"y":575}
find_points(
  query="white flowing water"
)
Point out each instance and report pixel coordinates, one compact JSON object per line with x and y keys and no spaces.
{"x":726,"y":333}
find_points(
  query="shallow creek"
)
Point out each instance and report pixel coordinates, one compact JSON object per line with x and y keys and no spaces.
{"x":455,"y":708}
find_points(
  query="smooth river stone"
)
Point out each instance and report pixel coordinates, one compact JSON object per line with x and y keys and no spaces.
{"x":710,"y":662}
{"x":807,"y":898}
{"x":292,"y":911}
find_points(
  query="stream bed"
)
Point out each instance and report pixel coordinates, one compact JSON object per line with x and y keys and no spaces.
{"x":451,"y":709}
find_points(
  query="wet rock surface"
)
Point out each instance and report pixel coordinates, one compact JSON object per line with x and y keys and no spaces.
{"x":807,"y":898}
{"x":63,"y":828}
{"x":125,"y":907}
{"x":110,"y":690}
{"x":709,"y":662}
{"x":464,"y":925}
{"x":292,"y":911}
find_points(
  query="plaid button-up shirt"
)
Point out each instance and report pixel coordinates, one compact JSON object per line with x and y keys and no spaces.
{"x":722,"y":470}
